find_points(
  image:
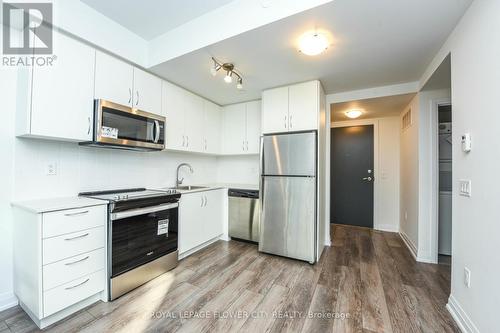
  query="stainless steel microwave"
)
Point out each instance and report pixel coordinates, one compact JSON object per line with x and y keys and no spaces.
{"x":123,"y":127}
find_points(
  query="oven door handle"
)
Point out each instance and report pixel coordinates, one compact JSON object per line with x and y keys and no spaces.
{"x":142,"y":211}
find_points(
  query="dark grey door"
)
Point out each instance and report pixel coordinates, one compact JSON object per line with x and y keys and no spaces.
{"x":352,"y":176}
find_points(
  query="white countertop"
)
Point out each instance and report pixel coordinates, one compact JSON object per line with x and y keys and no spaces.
{"x":55,"y":204}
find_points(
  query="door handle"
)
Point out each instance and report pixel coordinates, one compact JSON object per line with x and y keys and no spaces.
{"x":368,"y":179}
{"x":157,"y":131}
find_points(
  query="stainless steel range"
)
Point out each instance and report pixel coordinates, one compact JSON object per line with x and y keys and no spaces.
{"x":142,"y":236}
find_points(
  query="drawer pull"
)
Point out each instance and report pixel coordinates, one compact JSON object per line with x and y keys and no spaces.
{"x":76,"y":237}
{"x":78,"y":285}
{"x":76,"y":262}
{"x":77,"y":213}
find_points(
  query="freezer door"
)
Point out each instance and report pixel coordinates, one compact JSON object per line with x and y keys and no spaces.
{"x":291,"y":154}
{"x":288,"y":217}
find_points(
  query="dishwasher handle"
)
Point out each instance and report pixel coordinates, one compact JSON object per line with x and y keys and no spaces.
{"x":251,"y":194}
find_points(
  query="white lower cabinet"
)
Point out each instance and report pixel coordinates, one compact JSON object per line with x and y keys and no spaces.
{"x":59,"y":261}
{"x":200,"y":219}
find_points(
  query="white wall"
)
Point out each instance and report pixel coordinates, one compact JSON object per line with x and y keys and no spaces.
{"x":475,"y":76}
{"x":409,"y":178}
{"x":7,"y":92}
{"x":242,"y":169}
{"x":386,"y":196}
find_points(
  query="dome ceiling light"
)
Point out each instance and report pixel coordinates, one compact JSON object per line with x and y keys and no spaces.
{"x":313,"y":43}
{"x":230,"y":71}
{"x":354,"y":113}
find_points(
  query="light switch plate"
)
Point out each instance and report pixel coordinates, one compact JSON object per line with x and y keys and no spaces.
{"x":464,"y":187}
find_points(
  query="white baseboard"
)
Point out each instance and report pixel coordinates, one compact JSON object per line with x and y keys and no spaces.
{"x":461,"y":318}
{"x":409,"y":244}
{"x":7,"y":300}
{"x":386,"y":227}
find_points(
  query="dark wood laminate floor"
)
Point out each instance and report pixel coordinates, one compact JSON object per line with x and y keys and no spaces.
{"x":366,"y":282}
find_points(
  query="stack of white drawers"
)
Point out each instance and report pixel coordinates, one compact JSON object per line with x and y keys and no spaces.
{"x":73,"y":256}
{"x":60,"y":260}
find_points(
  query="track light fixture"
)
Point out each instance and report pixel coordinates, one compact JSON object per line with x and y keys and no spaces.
{"x":230,"y":71}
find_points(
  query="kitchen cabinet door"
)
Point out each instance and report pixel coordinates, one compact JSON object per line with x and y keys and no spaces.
{"x":147,"y":92}
{"x":234,"y":129}
{"x":253,"y":123}
{"x":213,"y":216}
{"x":194,"y":122}
{"x":303,"y":106}
{"x":191,"y":230}
{"x":63,"y":95}
{"x":212,"y":128}
{"x":113,"y":79}
{"x":275,"y":110}
{"x":173,"y":110}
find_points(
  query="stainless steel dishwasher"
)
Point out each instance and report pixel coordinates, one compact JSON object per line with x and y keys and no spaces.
{"x":244,"y":216}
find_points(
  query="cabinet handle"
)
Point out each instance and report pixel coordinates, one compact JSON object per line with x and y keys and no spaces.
{"x":205,"y":144}
{"x":88,"y":130}
{"x":202,"y":200}
{"x":285,"y":122}
{"x":77,"y":237}
{"x":77,"y":213}
{"x":137,"y":101}
{"x":129,"y":95}
{"x":290,"y":121}
{"x":243,"y":145}
{"x":247,"y":145}
{"x":206,"y":201}
{"x":75,"y":262}
{"x":78,"y":285}
{"x":187,"y":140}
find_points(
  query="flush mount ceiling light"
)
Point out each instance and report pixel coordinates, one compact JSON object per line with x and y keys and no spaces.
{"x":230,"y":71}
{"x":313,"y":43}
{"x":353,"y":114}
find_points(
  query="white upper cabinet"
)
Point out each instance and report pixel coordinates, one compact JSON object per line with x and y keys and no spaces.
{"x":173,"y":110}
{"x":212,"y":128}
{"x":194,"y":123}
{"x":185,"y":119}
{"x":241,"y":128}
{"x":122,"y":83}
{"x":113,"y":79}
{"x":147,"y":92}
{"x":234,"y":127}
{"x":253,"y":127}
{"x":275,"y":110}
{"x":303,"y":107}
{"x":290,"y":109}
{"x":61,"y":104}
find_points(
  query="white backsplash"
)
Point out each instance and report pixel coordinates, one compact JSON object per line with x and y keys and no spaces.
{"x":87,"y":169}
{"x":238,"y":169}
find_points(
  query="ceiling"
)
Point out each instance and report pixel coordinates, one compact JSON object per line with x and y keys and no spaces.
{"x":151,"y":18}
{"x":379,"y":107}
{"x":374,"y":43}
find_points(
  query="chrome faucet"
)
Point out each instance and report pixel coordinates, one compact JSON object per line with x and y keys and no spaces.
{"x":179,"y":181}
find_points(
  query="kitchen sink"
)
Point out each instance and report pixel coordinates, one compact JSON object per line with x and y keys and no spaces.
{"x":189,"y":187}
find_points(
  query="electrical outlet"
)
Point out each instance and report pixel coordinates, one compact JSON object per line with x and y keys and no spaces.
{"x":51,"y":169}
{"x":467,"y":277}
{"x":464,"y":187}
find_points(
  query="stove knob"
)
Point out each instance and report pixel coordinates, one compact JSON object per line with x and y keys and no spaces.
{"x":125,"y":196}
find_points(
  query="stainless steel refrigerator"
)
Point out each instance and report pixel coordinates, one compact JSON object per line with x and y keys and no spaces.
{"x":288,"y":195}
